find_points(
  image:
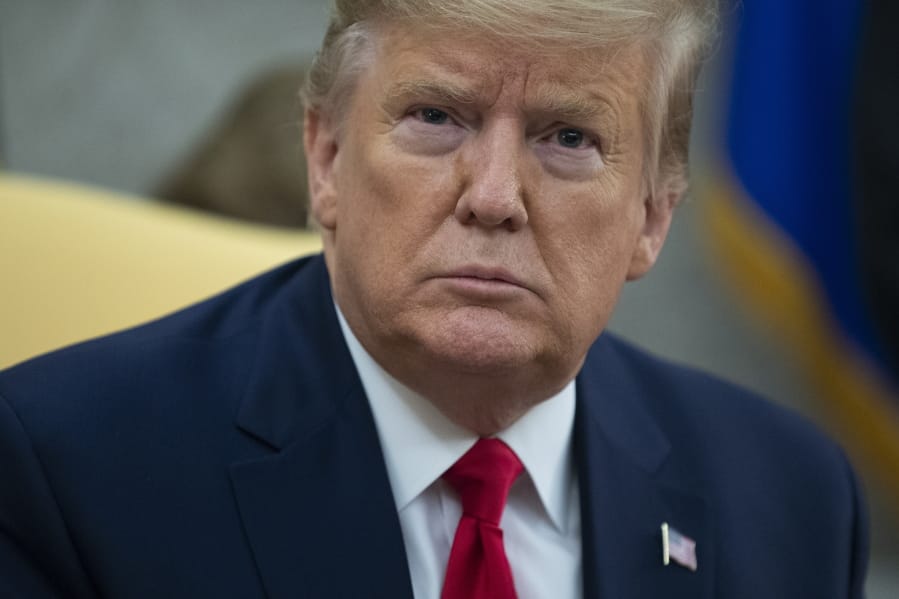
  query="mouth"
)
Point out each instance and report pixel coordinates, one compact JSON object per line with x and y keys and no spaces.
{"x":486,"y":273}
{"x":484,"y":282}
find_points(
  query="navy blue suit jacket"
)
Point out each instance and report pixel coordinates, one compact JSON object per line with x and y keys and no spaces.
{"x":228,"y":451}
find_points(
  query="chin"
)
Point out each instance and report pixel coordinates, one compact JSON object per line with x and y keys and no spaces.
{"x":480,"y":340}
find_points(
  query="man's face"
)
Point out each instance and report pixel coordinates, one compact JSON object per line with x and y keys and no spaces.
{"x":483,"y":206}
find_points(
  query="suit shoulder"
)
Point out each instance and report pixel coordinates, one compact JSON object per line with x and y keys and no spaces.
{"x":698,"y":409}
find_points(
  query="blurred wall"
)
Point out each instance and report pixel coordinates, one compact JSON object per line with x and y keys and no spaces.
{"x":115,"y":91}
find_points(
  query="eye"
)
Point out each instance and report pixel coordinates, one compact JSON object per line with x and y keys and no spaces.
{"x":429,"y":131}
{"x":570,"y":138}
{"x":433,"y":116}
{"x":569,"y":152}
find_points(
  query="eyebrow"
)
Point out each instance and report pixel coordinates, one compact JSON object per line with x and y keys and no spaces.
{"x":569,"y":105}
{"x":444,"y":90}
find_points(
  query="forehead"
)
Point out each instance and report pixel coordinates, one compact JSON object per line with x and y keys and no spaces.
{"x":475,"y":67}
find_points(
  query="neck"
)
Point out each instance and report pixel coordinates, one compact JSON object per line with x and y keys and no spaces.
{"x":482,"y":403}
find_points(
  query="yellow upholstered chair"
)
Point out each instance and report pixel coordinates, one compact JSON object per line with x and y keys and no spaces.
{"x":77,"y":262}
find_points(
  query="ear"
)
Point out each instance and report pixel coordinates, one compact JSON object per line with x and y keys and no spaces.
{"x":657,"y":214}
{"x":320,"y":145}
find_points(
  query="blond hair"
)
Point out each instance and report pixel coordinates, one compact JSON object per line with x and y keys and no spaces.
{"x":676,"y":35}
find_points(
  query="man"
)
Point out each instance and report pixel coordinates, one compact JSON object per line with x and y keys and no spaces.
{"x":430,"y":410}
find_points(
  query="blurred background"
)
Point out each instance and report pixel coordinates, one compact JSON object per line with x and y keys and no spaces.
{"x":781,"y":270}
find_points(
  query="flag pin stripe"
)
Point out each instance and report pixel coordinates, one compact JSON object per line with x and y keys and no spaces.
{"x":678,"y":548}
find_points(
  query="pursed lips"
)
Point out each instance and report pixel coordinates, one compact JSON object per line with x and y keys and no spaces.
{"x":484,"y":279}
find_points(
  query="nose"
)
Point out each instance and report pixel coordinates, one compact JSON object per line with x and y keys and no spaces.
{"x":493,"y":195}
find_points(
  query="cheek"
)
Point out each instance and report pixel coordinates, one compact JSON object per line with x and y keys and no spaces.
{"x":587,"y":224}
{"x":587,"y":239}
{"x":390,"y":184}
{"x":390,"y":205}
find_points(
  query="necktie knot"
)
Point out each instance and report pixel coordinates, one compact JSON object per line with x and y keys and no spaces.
{"x":482,"y":478}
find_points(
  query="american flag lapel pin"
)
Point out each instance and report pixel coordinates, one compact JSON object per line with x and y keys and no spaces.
{"x":678,"y":548}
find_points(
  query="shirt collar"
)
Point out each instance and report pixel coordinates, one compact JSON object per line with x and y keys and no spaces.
{"x":419,"y":443}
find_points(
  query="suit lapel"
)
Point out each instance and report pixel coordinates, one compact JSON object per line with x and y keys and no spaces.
{"x":628,"y":491}
{"x":317,"y":509}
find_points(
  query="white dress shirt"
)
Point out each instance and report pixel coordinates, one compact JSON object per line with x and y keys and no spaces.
{"x":541,"y":522}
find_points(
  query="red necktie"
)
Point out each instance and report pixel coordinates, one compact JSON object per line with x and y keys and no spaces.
{"x":478,"y":568}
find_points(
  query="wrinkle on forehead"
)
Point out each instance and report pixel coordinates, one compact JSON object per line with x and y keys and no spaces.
{"x":467,"y":76}
{"x":579,"y":86}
